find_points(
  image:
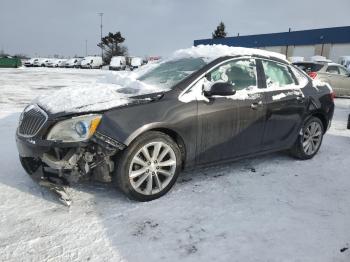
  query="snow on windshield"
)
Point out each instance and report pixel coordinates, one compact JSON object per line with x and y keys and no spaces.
{"x":171,"y":72}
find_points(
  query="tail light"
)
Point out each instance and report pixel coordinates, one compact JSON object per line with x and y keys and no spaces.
{"x":313,"y":75}
{"x":332,"y":96}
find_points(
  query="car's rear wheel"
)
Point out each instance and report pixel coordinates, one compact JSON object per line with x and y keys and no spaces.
{"x":149,"y":167}
{"x":309,"y":140}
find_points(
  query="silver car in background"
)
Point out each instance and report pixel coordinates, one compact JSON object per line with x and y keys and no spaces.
{"x":334,"y":74}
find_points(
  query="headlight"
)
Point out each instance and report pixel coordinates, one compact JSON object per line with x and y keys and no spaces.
{"x":75,"y":129}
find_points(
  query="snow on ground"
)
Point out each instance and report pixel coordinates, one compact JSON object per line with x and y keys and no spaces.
{"x":269,"y":208}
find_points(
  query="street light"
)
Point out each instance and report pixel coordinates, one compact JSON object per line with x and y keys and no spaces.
{"x":101,"y":15}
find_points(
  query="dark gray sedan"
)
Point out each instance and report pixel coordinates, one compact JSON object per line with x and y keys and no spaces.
{"x":204,"y":112}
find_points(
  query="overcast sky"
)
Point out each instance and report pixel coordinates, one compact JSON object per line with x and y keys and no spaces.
{"x":151,"y":27}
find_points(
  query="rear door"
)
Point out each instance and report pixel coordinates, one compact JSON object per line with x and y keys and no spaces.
{"x":285,"y":104}
{"x":231,"y":126}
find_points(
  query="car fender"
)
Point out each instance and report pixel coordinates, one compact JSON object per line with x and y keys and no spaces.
{"x":144,"y":129}
{"x":174,"y":118}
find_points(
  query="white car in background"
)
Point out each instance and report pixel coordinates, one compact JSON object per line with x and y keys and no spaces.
{"x":41,"y":62}
{"x":92,"y":62}
{"x":135,"y":62}
{"x":46,"y":62}
{"x":117,"y":63}
{"x":62,"y":63}
{"x":70,"y":63}
{"x":54,"y":62}
{"x":30,"y":62}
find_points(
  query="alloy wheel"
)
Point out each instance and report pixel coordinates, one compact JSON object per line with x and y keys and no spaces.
{"x":312,"y":138}
{"x":152,"y":168}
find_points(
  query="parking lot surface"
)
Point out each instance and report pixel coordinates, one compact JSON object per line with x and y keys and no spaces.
{"x":270,"y":208}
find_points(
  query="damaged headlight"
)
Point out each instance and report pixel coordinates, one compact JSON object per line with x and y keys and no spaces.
{"x":76,"y":129}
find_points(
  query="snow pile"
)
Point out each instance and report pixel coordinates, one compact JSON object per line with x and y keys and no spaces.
{"x":211,"y":52}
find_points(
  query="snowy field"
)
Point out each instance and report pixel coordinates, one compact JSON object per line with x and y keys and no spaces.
{"x":270,"y":208}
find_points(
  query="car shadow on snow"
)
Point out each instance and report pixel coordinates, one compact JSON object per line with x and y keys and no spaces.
{"x":184,"y":224}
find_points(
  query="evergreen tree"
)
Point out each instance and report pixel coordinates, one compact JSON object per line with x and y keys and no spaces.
{"x":111,"y":45}
{"x":220,"y":31}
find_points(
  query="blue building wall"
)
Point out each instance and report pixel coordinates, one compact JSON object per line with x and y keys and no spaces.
{"x":335,"y":35}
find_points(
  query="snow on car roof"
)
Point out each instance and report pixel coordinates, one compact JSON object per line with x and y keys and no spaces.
{"x":211,"y":52}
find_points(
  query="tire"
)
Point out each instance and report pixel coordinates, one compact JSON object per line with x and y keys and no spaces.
{"x":152,"y":183}
{"x":309,"y":141}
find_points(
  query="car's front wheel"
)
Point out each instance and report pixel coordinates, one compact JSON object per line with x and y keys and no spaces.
{"x":149,"y":167}
{"x":309,"y":140}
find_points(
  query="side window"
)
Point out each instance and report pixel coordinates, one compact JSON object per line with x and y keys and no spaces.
{"x":276,"y":74}
{"x":343,"y":71}
{"x":240,"y":73}
{"x":302,"y":79}
{"x":333,"y":70}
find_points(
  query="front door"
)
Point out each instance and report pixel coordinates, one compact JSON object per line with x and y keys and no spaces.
{"x":231,"y":126}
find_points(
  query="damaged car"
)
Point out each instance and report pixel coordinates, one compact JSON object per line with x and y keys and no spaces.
{"x":204,"y":105}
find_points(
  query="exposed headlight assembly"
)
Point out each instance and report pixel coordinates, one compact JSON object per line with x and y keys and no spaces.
{"x":76,"y":129}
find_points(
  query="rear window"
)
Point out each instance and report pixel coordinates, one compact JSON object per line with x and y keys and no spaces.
{"x":309,"y":67}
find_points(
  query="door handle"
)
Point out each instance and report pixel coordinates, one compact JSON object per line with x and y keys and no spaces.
{"x":256,"y":105}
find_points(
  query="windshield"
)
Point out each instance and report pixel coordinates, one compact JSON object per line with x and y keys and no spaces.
{"x":170,"y":73}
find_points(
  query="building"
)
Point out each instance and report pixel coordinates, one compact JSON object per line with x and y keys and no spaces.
{"x":328,"y":42}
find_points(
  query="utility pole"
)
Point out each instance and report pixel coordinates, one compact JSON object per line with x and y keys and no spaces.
{"x":289,"y":30}
{"x":101,"y":15}
{"x":86,"y":48}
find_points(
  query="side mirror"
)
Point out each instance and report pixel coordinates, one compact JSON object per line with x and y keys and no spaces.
{"x":220,"y":89}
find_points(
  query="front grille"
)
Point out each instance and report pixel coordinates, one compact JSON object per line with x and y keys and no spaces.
{"x":31,"y":121}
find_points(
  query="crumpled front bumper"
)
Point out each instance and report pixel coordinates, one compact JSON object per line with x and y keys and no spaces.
{"x":36,"y":147}
{"x":46,"y":150}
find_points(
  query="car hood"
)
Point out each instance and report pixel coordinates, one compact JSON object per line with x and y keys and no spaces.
{"x":113,"y":91}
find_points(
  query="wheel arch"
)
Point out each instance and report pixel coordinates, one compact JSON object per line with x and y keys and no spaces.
{"x":166,"y":130}
{"x":322,"y":117}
